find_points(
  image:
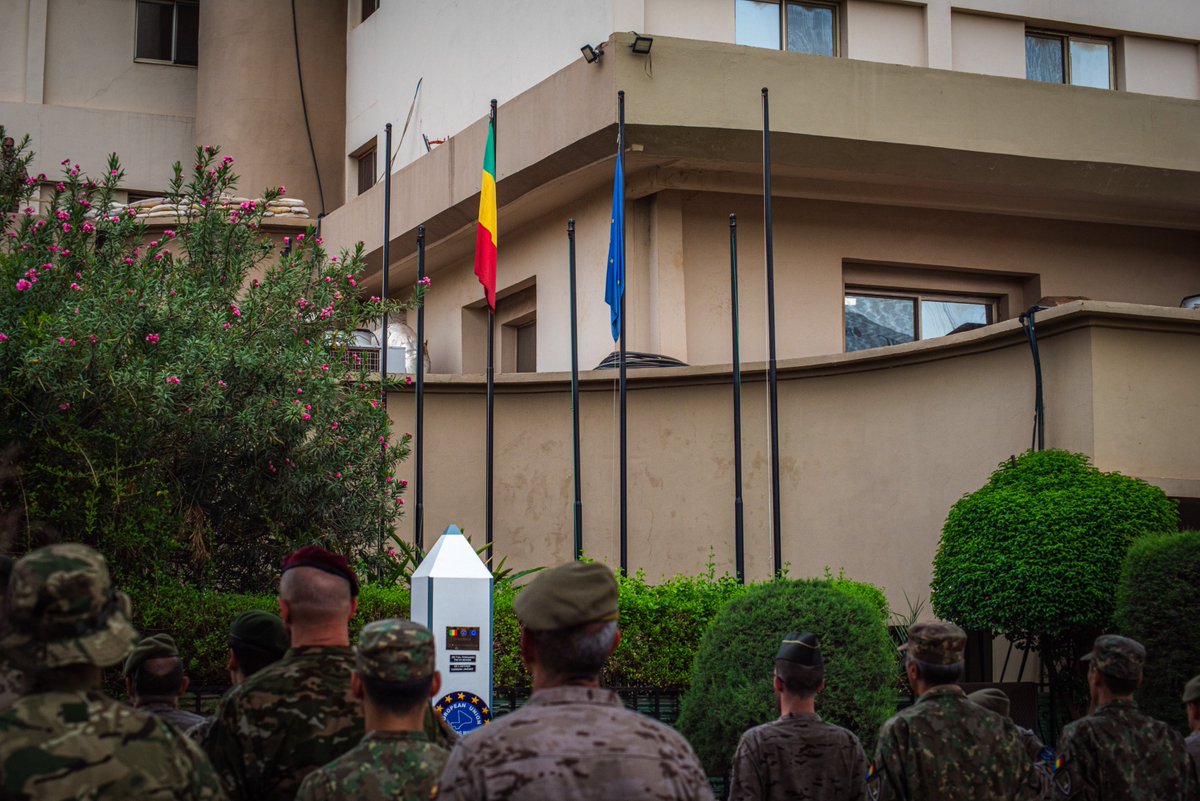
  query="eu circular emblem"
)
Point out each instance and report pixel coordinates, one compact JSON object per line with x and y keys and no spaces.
{"x":463,"y":711}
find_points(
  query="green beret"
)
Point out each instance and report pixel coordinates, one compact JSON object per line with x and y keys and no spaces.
{"x":802,"y":648}
{"x":1191,"y":690}
{"x":156,"y":646}
{"x":395,"y":650}
{"x":1117,"y":656}
{"x":992,"y":698}
{"x":936,"y":642}
{"x":568,"y":595}
{"x":261,"y":630}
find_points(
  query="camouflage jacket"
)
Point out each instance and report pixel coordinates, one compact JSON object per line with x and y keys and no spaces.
{"x":76,"y":745}
{"x":12,"y":683}
{"x":385,"y":766}
{"x":574,"y":744}
{"x":284,"y":722}
{"x":946,"y":748}
{"x":181,"y":719}
{"x":1118,"y":752}
{"x":798,"y":758}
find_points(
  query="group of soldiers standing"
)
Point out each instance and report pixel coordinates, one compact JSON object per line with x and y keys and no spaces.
{"x":313,"y":719}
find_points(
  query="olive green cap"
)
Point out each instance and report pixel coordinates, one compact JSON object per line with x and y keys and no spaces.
{"x":395,"y":650}
{"x":936,"y":642}
{"x":261,"y":630}
{"x":568,"y":595}
{"x":992,"y":698}
{"x":1191,"y":690}
{"x":157,"y":646}
{"x":1117,"y":656}
{"x":802,"y":648}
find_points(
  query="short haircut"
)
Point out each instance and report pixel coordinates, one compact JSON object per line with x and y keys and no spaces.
{"x":937,"y":675}
{"x":161,"y":677}
{"x":251,"y":658}
{"x":397,"y":697}
{"x":801,"y":681}
{"x":577,"y":652}
{"x":314,"y":596}
{"x":1117,"y":685}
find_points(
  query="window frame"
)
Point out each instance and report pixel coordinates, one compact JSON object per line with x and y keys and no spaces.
{"x":832,"y":5}
{"x":990,"y":303}
{"x":1064,"y":38}
{"x":174,"y":4}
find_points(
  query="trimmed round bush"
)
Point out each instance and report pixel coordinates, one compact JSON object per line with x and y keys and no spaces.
{"x":731,"y":686}
{"x":1158,"y":602}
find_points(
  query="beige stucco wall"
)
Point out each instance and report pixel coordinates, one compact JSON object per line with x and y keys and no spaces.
{"x":13,"y":36}
{"x":1159,"y":67}
{"x":988,"y":45}
{"x":712,"y":20}
{"x":886,"y":32}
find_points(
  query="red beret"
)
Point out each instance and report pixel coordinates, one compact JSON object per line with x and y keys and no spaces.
{"x":321,"y":559}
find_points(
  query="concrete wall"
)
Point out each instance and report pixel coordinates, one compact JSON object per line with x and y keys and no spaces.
{"x":1160,"y":67}
{"x":988,"y":45}
{"x":886,"y":32}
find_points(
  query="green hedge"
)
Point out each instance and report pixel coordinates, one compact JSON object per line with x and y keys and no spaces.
{"x":1158,"y":602}
{"x":731,"y":687}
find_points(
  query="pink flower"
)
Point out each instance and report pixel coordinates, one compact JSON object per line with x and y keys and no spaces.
{"x":3,"y":337}
{"x":388,"y":479}
{"x":172,"y":379}
{"x":152,"y":339}
{"x":64,"y":406}
{"x":282,"y":189}
{"x":76,"y":287}
{"x":71,"y":342}
{"x":375,"y":405}
{"x":403,"y":483}
{"x":425,"y":282}
{"x":325,"y":367}
{"x":221,"y":383}
{"x":235,"y":310}
{"x":299,"y":391}
{"x":66,"y":228}
{"x":88,"y":228}
{"x":334,"y":426}
{"x":337,"y":474}
{"x":408,"y":380}
{"x":62,"y":340}
{"x":169,"y":234}
{"x":226,"y":325}
{"x":399,"y":501}
{"x":306,"y":416}
{"x":23,"y":285}
{"x":112,"y":172}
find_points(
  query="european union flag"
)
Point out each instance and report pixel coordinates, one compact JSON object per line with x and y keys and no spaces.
{"x":614,"y":286}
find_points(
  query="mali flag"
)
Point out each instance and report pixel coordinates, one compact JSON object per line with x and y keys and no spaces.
{"x":485,"y":231}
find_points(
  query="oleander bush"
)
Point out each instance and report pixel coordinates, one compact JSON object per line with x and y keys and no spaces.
{"x":731,"y":684}
{"x":1158,"y":600}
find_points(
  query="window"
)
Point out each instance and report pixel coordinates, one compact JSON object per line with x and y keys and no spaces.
{"x":1065,"y":58}
{"x":800,"y":27}
{"x":874,"y":321}
{"x":527,"y":348}
{"x":168,"y":31}
{"x":369,"y":7}
{"x":366,"y":170}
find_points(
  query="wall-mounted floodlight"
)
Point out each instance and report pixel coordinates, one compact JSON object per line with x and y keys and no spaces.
{"x":1191,"y":302}
{"x":641,"y":44}
{"x":592,"y":54}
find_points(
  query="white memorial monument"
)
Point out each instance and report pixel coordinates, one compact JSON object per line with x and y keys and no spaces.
{"x":452,"y":597}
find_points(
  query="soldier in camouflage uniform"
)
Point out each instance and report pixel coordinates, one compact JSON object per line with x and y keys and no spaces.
{"x":943,"y":747}
{"x":65,"y":739}
{"x":291,"y":718}
{"x":573,"y":740}
{"x":12,"y":680}
{"x":798,"y":757}
{"x":1117,"y":752}
{"x":997,"y":700}
{"x":394,"y":678}
{"x":1191,"y":697}
{"x":155,"y":682}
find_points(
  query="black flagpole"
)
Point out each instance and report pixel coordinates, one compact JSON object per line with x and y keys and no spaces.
{"x":419,"y":448}
{"x":575,"y":391}
{"x":772,"y":374}
{"x":383,"y":293}
{"x":624,"y":283}
{"x":739,"y":530}
{"x":491,"y":373}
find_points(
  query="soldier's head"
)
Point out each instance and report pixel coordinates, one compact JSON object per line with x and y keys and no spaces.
{"x":568,"y":618}
{"x":993,"y":699}
{"x":256,"y":639}
{"x":1191,"y":697}
{"x":395,"y":669}
{"x":1114,"y":667}
{"x":934,"y":654}
{"x":799,"y":666}
{"x":317,"y":596}
{"x":65,"y":619}
{"x":154,"y":672}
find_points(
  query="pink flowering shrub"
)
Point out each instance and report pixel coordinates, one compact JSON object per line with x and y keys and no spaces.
{"x":165,"y":408}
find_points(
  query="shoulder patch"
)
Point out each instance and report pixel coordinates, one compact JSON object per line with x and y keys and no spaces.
{"x":872,"y":783}
{"x":1062,"y":777}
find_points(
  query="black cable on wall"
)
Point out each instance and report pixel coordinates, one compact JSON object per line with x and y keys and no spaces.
{"x":304,"y":105}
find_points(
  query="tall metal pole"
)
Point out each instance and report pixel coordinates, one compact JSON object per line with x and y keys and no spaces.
{"x":621,"y":356}
{"x":383,"y":294}
{"x":575,"y":390}
{"x":419,"y":448}
{"x":772,"y":374}
{"x":491,"y":379}
{"x":739,"y":523}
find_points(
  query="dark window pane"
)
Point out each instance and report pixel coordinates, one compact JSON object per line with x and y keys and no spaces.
{"x":369,"y":7}
{"x":810,"y":29}
{"x":1090,"y":64}
{"x":941,"y":317}
{"x":187,"y":33}
{"x":1044,"y":59}
{"x":875,"y":322}
{"x":527,"y":348}
{"x":155,"y":26}
{"x":756,"y":23}
{"x":366,"y":171}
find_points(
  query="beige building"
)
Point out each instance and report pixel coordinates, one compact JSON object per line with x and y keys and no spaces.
{"x":935,"y":164}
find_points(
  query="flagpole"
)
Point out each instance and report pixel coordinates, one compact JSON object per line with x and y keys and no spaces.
{"x":621,"y":356}
{"x":491,"y":382}
{"x":419,"y":448}
{"x":383,"y":294}
{"x":772,"y":372}
{"x":739,"y":531}
{"x":575,"y":390}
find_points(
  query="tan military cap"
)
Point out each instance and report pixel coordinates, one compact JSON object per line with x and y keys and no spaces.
{"x":936,"y":642}
{"x":568,"y":595}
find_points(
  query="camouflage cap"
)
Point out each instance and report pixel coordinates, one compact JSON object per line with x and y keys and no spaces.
{"x":802,"y":648}
{"x":395,"y":650}
{"x":992,"y":698}
{"x":568,"y":595}
{"x":1191,"y":690}
{"x":261,"y":630}
{"x":936,"y":642}
{"x":1117,"y":656}
{"x":63,"y":610}
{"x":156,"y":646}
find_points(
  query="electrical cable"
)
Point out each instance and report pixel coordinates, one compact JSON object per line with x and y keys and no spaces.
{"x":304,"y":105}
{"x":1028,"y":322}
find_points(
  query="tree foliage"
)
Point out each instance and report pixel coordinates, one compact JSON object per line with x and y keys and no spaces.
{"x":1158,"y":600}
{"x":731,"y":688}
{"x":183,"y":398}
